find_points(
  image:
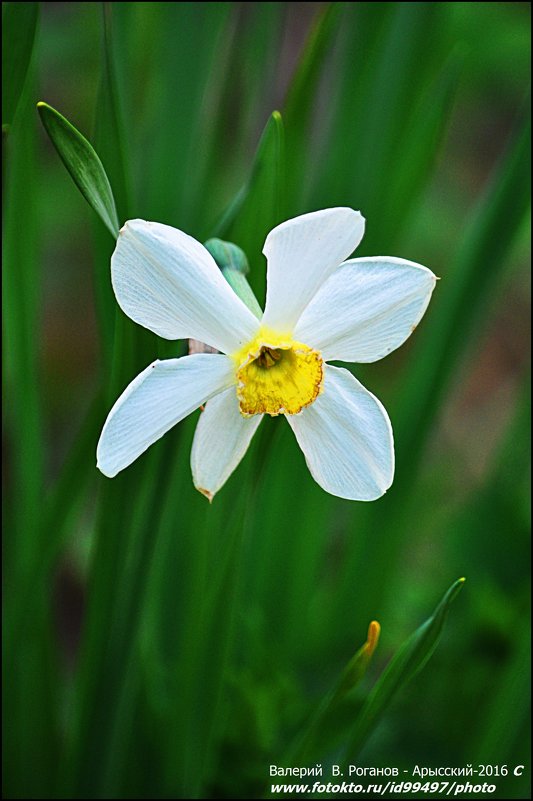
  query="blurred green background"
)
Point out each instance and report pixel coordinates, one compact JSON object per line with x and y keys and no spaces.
{"x":159,"y":647}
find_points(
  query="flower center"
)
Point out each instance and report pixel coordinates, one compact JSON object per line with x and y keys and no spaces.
{"x":277,"y":376}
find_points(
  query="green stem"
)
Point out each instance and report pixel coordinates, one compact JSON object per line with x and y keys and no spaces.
{"x":242,"y":288}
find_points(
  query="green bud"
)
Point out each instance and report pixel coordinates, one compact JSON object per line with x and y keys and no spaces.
{"x":227,"y":255}
{"x":234,"y":267}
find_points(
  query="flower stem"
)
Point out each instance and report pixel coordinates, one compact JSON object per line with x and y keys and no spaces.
{"x":242,"y":288}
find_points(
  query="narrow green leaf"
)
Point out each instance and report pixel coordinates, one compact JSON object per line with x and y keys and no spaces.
{"x":55,"y":515}
{"x":268,"y":150}
{"x":374,"y":94}
{"x":255,"y":60}
{"x":22,"y":299}
{"x":319,"y":729}
{"x":411,"y":658}
{"x":82,"y":162}
{"x":135,"y":345}
{"x":476,"y":271}
{"x":302,"y":90}
{"x":19,"y":22}
{"x":417,"y":147}
{"x":31,"y":678}
{"x":187,"y":45}
{"x":109,"y":129}
{"x":120,"y":535}
{"x":258,"y":206}
{"x":300,"y":102}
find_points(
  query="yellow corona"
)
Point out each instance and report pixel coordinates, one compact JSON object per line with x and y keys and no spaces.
{"x":277,"y":375}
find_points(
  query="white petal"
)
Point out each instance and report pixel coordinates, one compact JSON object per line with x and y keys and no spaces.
{"x":220,"y":441}
{"x":157,"y":399}
{"x":366,"y":309}
{"x":168,"y":282}
{"x":301,"y":254}
{"x":346,"y":437}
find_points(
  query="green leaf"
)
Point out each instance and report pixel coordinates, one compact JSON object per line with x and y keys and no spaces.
{"x":411,"y":658}
{"x":257,"y":207}
{"x":460,"y":303}
{"x":29,"y":672}
{"x":375,"y":97}
{"x":324,"y":724}
{"x":268,"y":154}
{"x":301,"y":93}
{"x":82,"y":162}
{"x":19,"y":22}
{"x":417,"y":146}
{"x":185,"y":69}
{"x":109,"y":130}
{"x":301,"y":96}
{"x":126,"y":346}
{"x":22,"y":301}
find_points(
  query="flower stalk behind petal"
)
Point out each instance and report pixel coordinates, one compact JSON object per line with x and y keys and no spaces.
{"x":234,"y":267}
{"x":242,"y":288}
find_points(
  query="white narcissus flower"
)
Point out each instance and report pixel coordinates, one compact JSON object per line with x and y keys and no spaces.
{"x":319,"y":307}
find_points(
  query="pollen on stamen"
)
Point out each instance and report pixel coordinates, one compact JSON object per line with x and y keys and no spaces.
{"x":268,"y":357}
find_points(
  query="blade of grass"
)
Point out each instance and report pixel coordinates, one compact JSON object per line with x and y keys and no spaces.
{"x":373,"y":100}
{"x":211,"y":625}
{"x":30,"y":674}
{"x":61,"y":506}
{"x":317,"y":735}
{"x":117,"y":517}
{"x":19,"y":23}
{"x":411,"y":658}
{"x":259,"y":205}
{"x":417,"y":146}
{"x":109,"y":129}
{"x":252,"y":76}
{"x":116,"y":753}
{"x":187,"y":44}
{"x":299,"y":105}
{"x":267,"y":154}
{"x":135,"y":347}
{"x":474,"y":275}
{"x":22,"y":322}
{"x":119,"y":565}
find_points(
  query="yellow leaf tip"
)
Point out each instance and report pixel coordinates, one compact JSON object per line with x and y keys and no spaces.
{"x":374,"y":630}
